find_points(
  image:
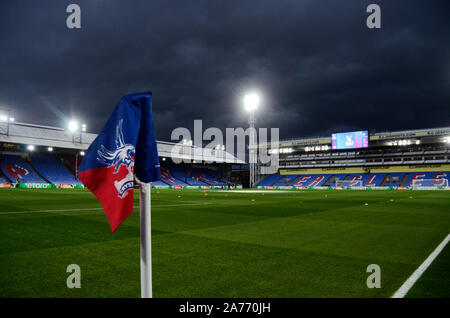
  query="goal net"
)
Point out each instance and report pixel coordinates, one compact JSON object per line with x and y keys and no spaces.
{"x":349,"y":184}
{"x":430,"y":183}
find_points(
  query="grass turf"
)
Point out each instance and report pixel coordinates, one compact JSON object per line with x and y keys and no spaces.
{"x":226,"y":244}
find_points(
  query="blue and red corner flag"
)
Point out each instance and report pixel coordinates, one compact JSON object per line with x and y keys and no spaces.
{"x":125,"y":147}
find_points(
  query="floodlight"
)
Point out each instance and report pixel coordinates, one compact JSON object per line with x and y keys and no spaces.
{"x":83,"y":127}
{"x":30,"y":147}
{"x":82,"y":153}
{"x":164,"y":159}
{"x":73,"y":126}
{"x":251,"y":102}
{"x":223,"y":147}
{"x":50,"y":149}
{"x":3,"y":117}
{"x":11,"y":119}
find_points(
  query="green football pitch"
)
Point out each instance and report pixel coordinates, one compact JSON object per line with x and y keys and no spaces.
{"x":308,"y":243}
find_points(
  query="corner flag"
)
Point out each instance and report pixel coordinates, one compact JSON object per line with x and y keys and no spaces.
{"x":125,"y":147}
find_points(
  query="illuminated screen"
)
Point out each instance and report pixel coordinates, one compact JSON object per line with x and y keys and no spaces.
{"x":350,"y":140}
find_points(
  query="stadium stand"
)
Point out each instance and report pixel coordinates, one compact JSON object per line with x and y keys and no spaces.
{"x":168,"y":177}
{"x":3,"y":178}
{"x":182,"y":174}
{"x":69,"y":162}
{"x":355,"y":180}
{"x":17,"y":169}
{"x":270,"y":180}
{"x":48,"y":168}
{"x":24,"y":139}
{"x":419,"y":158}
{"x":52,"y":170}
{"x":207,"y":176}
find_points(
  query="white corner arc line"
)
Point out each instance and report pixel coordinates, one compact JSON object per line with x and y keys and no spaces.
{"x":404,"y":289}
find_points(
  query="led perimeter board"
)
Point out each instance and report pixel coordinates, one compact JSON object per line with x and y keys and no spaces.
{"x":350,"y":140}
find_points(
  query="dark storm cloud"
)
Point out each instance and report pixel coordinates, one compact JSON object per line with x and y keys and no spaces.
{"x":316,"y":64}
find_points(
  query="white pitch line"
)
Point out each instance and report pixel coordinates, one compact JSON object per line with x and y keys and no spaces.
{"x":90,"y":209}
{"x":49,"y":211}
{"x":403,"y":290}
{"x":163,"y":206}
{"x":254,"y":191}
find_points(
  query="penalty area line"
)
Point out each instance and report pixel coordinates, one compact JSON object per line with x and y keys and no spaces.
{"x":409,"y":283}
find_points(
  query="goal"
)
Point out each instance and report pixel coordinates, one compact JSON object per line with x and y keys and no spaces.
{"x":348,"y":184}
{"x":430,"y":183}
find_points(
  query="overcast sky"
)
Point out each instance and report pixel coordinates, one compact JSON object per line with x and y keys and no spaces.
{"x":316,"y":65}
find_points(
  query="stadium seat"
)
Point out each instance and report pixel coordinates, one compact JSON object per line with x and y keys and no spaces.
{"x":49,"y":167}
{"x":17,"y":169}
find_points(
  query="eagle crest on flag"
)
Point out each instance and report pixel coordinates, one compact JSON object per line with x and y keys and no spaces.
{"x":123,"y":155}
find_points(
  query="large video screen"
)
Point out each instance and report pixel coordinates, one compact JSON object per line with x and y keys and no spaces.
{"x":350,"y":140}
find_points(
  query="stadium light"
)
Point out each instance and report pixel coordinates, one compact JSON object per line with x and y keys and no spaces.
{"x":187,"y":142}
{"x":50,"y":149}
{"x":251,"y":102}
{"x":3,"y":117}
{"x":11,"y":119}
{"x":30,"y":147}
{"x":274,"y":151}
{"x":83,"y":127}
{"x":163,"y":158}
{"x":220,"y":147}
{"x":73,"y":126}
{"x":81,"y":153}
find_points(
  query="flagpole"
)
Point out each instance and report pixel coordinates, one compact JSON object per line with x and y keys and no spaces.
{"x":146,"y":240}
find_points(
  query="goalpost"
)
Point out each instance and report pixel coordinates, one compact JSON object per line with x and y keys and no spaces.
{"x":349,"y":184}
{"x":436,"y":183}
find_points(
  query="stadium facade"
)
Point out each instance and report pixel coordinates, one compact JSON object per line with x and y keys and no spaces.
{"x":397,"y":160}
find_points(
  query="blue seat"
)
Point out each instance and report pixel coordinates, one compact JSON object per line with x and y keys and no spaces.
{"x":53,"y":170}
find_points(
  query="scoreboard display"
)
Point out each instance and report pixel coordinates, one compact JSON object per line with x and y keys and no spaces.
{"x":350,"y":140}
